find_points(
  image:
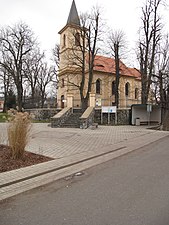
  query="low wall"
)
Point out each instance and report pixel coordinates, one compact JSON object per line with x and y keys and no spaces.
{"x":42,"y":114}
{"x":123,"y":117}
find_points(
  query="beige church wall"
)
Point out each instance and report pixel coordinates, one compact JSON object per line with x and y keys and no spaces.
{"x":105,"y":86}
{"x":68,"y":89}
{"x":127,"y":101}
{"x":106,"y":89}
{"x":61,"y":91}
{"x":69,"y":38}
{"x":75,"y":98}
{"x":69,"y":33}
{"x":67,"y":56}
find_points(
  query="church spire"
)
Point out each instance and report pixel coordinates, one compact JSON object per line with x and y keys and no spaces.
{"x":73,"y":18}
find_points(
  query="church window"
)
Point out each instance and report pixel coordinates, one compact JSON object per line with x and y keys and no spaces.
{"x":136,"y":93}
{"x":77,"y":39}
{"x":127,"y":89}
{"x":98,"y":88}
{"x":63,"y":82}
{"x":64,"y":40}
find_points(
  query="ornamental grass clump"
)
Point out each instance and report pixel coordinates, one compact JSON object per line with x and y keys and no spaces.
{"x":18,"y":133}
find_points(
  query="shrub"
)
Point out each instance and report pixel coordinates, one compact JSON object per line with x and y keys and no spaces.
{"x":18,"y":133}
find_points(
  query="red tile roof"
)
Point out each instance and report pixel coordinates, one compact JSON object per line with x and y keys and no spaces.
{"x":107,"y":65}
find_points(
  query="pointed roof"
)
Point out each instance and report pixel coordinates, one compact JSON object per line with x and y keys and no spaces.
{"x":73,"y":18}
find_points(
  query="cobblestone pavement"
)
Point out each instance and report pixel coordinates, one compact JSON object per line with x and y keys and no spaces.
{"x":63,"y":142}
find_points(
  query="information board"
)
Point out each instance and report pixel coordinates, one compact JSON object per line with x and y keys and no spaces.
{"x":109,"y":109}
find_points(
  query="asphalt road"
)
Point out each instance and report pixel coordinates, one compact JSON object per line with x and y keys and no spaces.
{"x":130,"y":190}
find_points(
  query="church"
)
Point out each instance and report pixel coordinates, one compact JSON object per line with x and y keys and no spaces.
{"x":103,"y":83}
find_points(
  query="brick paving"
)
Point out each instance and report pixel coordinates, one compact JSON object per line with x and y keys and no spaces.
{"x":63,"y":142}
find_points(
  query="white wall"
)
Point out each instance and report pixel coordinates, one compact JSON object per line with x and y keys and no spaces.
{"x":140,"y":111}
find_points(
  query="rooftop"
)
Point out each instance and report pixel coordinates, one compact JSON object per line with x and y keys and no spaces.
{"x":107,"y":65}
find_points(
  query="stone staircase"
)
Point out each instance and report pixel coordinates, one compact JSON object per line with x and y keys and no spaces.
{"x":73,"y":120}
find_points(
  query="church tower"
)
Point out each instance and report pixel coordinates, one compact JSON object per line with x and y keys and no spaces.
{"x":68,"y":34}
{"x":69,"y":38}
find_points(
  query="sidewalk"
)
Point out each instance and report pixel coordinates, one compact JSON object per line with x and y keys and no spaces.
{"x":73,"y":150}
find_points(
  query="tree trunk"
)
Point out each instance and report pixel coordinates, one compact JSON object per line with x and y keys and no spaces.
{"x":84,"y":102}
{"x":19,"y":97}
{"x":33,"y":96}
{"x":42,"y":99}
{"x":144,"y":96}
{"x":5,"y":103}
{"x":116,"y":47}
{"x":166,"y":120}
{"x":166,"y":111}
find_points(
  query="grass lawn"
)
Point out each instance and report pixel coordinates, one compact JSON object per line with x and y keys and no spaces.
{"x":3,"y":117}
{"x":41,"y":121}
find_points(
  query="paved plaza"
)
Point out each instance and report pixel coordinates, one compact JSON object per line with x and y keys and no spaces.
{"x":73,"y":150}
{"x":62,"y":142}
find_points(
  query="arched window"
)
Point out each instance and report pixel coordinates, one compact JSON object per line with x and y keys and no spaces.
{"x":127,"y":89}
{"x":77,"y":39}
{"x":136,"y":93}
{"x":98,"y":91}
{"x":114,"y":87}
{"x":63,"y":82}
{"x":64,"y":40}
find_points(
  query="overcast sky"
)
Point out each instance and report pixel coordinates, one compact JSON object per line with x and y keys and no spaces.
{"x":47,"y":17}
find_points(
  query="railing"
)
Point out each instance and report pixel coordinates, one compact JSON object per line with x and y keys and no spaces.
{"x":87,"y":118}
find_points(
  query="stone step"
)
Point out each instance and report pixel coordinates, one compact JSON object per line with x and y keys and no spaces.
{"x":75,"y":111}
{"x":69,"y":126}
{"x":73,"y":120}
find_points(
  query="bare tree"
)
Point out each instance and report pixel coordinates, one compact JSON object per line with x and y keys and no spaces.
{"x":31,"y":70}
{"x":45,"y":77}
{"x":15,"y":44}
{"x":116,"y":45}
{"x":150,"y":35}
{"x":161,"y":77}
{"x":56,"y":55}
{"x":56,"y":60}
{"x":6,"y":82}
